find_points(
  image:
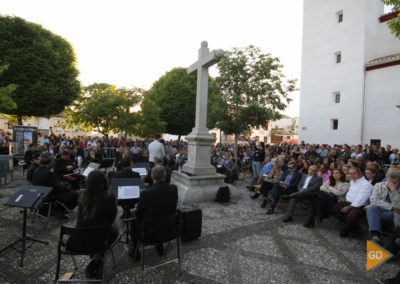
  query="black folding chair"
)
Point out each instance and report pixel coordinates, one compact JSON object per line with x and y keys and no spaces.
{"x":86,"y":237}
{"x":159,"y":230}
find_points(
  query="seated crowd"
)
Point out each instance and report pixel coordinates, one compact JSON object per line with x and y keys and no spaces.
{"x":343,"y":182}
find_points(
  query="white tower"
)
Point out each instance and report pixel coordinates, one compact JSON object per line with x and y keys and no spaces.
{"x":341,"y":39}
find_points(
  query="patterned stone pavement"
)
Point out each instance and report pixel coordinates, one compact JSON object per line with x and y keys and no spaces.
{"x":239,"y":244}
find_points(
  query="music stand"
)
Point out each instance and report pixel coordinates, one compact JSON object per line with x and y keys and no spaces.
{"x":141,"y":168}
{"x":126,"y":204}
{"x":106,"y":163}
{"x":28,"y":196}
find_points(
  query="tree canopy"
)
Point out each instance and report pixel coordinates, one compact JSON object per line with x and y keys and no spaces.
{"x":175,"y":96}
{"x":41,"y":65}
{"x":6,"y":102}
{"x":253,"y":88}
{"x":104,"y":108}
{"x":394,"y":24}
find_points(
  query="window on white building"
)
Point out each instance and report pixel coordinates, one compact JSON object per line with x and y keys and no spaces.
{"x":335,"y":124}
{"x":339,"y":16}
{"x":338,"y":56}
{"x":336,"y":97}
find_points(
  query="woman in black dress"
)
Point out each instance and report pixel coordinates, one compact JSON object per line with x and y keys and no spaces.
{"x":97,"y":207}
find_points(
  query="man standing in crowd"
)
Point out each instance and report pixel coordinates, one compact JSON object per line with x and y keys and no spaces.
{"x":351,"y":210}
{"x":309,"y":184}
{"x":259,"y":155}
{"x":156,"y":149}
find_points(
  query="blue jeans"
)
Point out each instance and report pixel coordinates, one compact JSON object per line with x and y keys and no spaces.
{"x":377,"y":217}
{"x":256,"y":167}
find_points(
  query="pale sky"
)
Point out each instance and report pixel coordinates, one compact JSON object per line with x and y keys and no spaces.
{"x":132,"y":43}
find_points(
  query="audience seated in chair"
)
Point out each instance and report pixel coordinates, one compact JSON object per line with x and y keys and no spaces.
{"x":287,"y":185}
{"x":35,"y":164}
{"x":384,"y":208}
{"x":158,"y":201}
{"x":43,"y":176}
{"x":330,"y":192}
{"x":308,"y":185}
{"x":97,"y":207}
{"x":351,"y":210}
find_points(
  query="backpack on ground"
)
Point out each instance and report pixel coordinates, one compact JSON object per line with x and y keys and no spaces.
{"x":223,"y":194}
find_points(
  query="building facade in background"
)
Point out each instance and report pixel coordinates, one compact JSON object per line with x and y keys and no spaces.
{"x":350,"y":76}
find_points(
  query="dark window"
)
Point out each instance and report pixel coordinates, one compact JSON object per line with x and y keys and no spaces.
{"x":338,"y":57}
{"x":376,"y":142}
{"x":340,"y":17}
{"x":337,"y":98}
{"x":335,"y":124}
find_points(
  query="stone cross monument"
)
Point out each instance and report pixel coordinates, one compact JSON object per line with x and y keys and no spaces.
{"x":200,"y":139}
{"x":198,"y":180}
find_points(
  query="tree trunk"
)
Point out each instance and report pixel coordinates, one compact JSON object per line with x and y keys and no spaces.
{"x":19,"y":117}
{"x":236,"y":147}
{"x":220,"y":138}
{"x":179,"y":138}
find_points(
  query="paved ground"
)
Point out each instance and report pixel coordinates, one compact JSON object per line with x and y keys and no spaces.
{"x":239,"y":244}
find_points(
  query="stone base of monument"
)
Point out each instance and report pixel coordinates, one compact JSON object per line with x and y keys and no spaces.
{"x":195,"y":189}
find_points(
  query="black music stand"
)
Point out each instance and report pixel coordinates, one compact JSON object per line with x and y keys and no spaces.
{"x":126,"y":204}
{"x":106,"y":163}
{"x":138,"y":167}
{"x":28,"y":196}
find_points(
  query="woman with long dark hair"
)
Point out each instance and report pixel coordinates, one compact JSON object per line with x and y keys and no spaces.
{"x":335,"y":188}
{"x":97,"y":207}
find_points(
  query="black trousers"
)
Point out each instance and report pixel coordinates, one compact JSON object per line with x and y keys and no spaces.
{"x":277,"y":191}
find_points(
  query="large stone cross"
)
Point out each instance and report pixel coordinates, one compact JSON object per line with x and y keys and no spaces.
{"x":206,"y":60}
{"x":199,"y":149}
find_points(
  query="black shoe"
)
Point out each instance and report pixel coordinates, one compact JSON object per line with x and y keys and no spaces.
{"x":270,"y":211}
{"x":255,"y":196}
{"x":131,"y":253}
{"x":285,"y":196}
{"x":160,"y":249}
{"x":91,"y":270}
{"x":310,"y":224}
{"x":344,"y":234}
{"x":264,"y":203}
{"x":288,"y":219}
{"x":99,"y":269}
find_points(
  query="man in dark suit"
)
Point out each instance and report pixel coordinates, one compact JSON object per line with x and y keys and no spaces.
{"x":158,"y":201}
{"x":158,"y":161}
{"x":288,"y":185}
{"x":309,"y":184}
{"x":43,"y":176}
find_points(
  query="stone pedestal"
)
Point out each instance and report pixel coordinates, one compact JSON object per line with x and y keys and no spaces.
{"x":195,"y":189}
{"x":199,"y":149}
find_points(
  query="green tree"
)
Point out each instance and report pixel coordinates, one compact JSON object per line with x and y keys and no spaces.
{"x":6,"y":101}
{"x":150,"y":123}
{"x":253,"y":89}
{"x":394,"y":24}
{"x":175,"y":96}
{"x":41,"y":64}
{"x":104,"y":108}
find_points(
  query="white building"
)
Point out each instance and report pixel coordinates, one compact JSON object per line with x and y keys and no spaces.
{"x":350,"y":77}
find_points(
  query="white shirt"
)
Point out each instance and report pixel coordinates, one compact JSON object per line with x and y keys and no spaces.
{"x":359,"y":192}
{"x":156,"y":149}
{"x":306,"y":182}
